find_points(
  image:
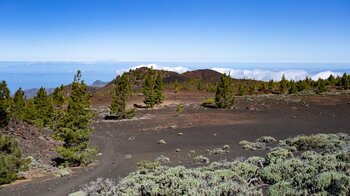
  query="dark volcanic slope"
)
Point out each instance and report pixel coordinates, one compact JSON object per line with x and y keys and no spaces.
{"x":202,"y":129}
{"x":203,"y":74}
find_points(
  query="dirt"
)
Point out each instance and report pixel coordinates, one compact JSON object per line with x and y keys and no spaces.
{"x":201,"y":128}
{"x":32,"y":141}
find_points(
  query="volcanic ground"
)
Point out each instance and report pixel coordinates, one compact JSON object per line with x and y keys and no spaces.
{"x":124,"y":143}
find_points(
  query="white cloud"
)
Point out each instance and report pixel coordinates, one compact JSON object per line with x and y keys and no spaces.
{"x":257,"y":74}
{"x":325,"y":74}
{"x":266,"y":75}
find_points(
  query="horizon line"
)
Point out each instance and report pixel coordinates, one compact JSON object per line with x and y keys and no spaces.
{"x":164,"y":61}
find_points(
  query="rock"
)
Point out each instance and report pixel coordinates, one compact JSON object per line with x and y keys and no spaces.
{"x":163,"y":159}
{"x":192,"y":152}
{"x":180,"y":134}
{"x":78,"y":193}
{"x":99,"y":154}
{"x":128,"y":156}
{"x":177,"y":150}
{"x":161,"y":141}
{"x":131,"y":138}
{"x":172,"y":126}
{"x":251,"y":108}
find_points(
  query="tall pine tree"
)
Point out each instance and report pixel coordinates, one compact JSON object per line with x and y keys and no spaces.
{"x":43,"y":107}
{"x":158,"y":88}
{"x":58,"y":101}
{"x":283,"y":85}
{"x":224,"y":97}
{"x":18,"y":104}
{"x":148,"y":89}
{"x":75,"y":128}
{"x":4,"y":104}
{"x":121,"y":94}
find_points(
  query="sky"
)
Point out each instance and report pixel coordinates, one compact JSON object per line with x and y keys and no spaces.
{"x":176,"y":31}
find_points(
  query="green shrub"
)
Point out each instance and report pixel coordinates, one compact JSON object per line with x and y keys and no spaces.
{"x":10,"y":159}
{"x":278,"y":154}
{"x":334,"y":183}
{"x":252,"y":145}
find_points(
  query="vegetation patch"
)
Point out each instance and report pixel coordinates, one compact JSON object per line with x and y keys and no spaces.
{"x":252,"y":145}
{"x":319,"y":169}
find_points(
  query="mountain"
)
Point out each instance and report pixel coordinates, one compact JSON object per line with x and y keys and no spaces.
{"x":203,"y":74}
{"x":99,"y":84}
{"x":30,"y":93}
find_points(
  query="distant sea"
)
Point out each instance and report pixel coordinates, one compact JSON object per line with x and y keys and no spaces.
{"x":30,"y":74}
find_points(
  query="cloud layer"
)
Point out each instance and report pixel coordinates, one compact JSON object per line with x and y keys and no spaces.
{"x":257,"y":74}
{"x":266,"y":75}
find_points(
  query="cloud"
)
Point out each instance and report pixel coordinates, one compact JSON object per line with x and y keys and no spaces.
{"x":257,"y":74}
{"x":266,"y":75}
{"x":325,"y":74}
{"x":178,"y":69}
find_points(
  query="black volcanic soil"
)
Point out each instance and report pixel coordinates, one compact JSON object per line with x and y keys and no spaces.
{"x":202,"y":129}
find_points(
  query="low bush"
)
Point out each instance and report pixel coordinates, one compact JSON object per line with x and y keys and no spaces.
{"x":11,"y":162}
{"x":322,"y":170}
{"x":200,"y":159}
{"x":266,"y":139}
{"x":252,"y":145}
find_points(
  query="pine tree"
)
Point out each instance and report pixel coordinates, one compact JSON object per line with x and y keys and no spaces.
{"x":271,"y":85}
{"x":29,"y":113}
{"x":293,"y":87}
{"x":120,"y":96}
{"x":224,"y":97}
{"x":283,"y":84}
{"x":159,"y":87}
{"x":176,"y":86}
{"x":75,"y":128}
{"x":331,"y":80}
{"x":4,"y":104}
{"x":58,"y":96}
{"x":321,"y":86}
{"x":242,"y":90}
{"x":43,"y":107}
{"x":345,"y":81}
{"x":302,"y":85}
{"x":58,"y":101}
{"x":18,"y":104}
{"x":148,"y":90}
{"x":252,"y":88}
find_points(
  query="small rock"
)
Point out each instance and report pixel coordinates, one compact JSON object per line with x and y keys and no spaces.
{"x":177,"y":150}
{"x":180,"y":134}
{"x":192,"y":152}
{"x":172,"y":126}
{"x":161,"y":141}
{"x":128,"y":156}
{"x":78,"y":193}
{"x":214,"y":134}
{"x":131,"y":138}
{"x":99,"y":154}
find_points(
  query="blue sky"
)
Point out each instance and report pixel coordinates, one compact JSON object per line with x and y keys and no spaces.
{"x":179,"y":30}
